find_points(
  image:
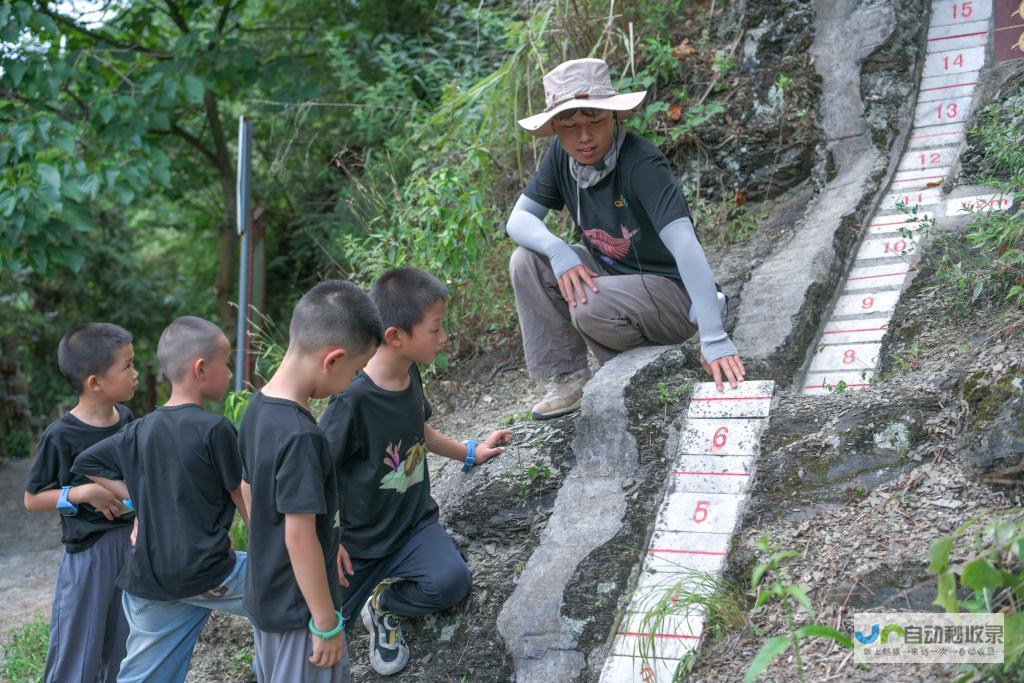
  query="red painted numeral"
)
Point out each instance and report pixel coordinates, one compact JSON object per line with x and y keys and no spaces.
{"x":849,"y":356}
{"x":867,"y":302}
{"x":957,"y":61}
{"x":933,"y":159}
{"x":899,"y":246}
{"x":948,"y":111}
{"x":963,"y":10}
{"x":719,"y":439}
{"x":647,"y":675}
{"x":700,"y":513}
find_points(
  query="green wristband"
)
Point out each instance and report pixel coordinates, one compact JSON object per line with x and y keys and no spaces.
{"x":327,"y":635}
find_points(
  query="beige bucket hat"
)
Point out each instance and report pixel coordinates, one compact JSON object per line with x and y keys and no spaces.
{"x":576,"y":84}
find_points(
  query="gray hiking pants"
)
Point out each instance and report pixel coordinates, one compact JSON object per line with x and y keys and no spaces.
{"x":284,"y":658}
{"x":628,"y":311}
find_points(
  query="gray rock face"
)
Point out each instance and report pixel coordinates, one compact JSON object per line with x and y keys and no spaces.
{"x":785,"y":297}
{"x":587,"y":514}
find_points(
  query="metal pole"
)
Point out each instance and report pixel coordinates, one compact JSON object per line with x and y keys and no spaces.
{"x":244,"y":218}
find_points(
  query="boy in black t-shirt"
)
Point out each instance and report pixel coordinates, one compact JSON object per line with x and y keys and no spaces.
{"x":400,"y":560}
{"x":181,"y":467}
{"x":292,"y":587}
{"x":87,"y":627}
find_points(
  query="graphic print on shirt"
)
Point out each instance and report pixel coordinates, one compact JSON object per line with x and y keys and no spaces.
{"x":613,"y":247}
{"x":404,"y":473}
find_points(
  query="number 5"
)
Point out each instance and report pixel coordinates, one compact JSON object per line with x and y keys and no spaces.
{"x":700,"y":513}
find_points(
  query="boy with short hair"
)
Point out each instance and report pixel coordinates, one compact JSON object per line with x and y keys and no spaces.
{"x":292,"y":591}
{"x":87,"y":627}
{"x":181,"y":467}
{"x":400,"y":559}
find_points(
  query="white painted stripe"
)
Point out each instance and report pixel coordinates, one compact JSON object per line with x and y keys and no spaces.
{"x":727,"y":406}
{"x":936,"y":136}
{"x":921,"y":198}
{"x":948,"y":86}
{"x":653,"y":588}
{"x":845,"y":357}
{"x":921,"y":160}
{"x":909,"y":181}
{"x":629,"y":669}
{"x":886,"y":276}
{"x":818,"y":383}
{"x":954,"y":62}
{"x":942,"y":112}
{"x":750,"y":389}
{"x":960,"y":12}
{"x":886,"y":247}
{"x":861,"y":304}
{"x":712,"y":473}
{"x":683,"y":552}
{"x":899,"y":223}
{"x":957,"y":36}
{"x":984,"y":203}
{"x":708,"y":512}
{"x":854,"y":331}
{"x":721,"y":436}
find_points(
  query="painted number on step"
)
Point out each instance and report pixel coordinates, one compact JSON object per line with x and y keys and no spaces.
{"x":947,"y":111}
{"x":700,"y":513}
{"x":647,"y":675}
{"x":867,"y":303}
{"x":719,"y":439}
{"x":897,"y":247}
{"x":933,"y":159}
{"x":909,"y":199}
{"x":963,"y":10}
{"x":849,"y":356}
{"x":953,"y":60}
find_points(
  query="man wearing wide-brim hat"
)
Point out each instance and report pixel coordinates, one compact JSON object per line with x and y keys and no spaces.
{"x":639,"y":276}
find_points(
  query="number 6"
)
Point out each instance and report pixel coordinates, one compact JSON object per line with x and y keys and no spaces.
{"x":718,"y":441}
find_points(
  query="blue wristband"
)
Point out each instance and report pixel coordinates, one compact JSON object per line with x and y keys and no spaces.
{"x":470,"y":456}
{"x":65,"y":506}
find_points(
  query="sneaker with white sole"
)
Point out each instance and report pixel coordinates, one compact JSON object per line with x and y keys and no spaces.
{"x":565,"y":393}
{"x":388,"y":652}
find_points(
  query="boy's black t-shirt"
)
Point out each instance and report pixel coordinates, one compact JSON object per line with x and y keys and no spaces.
{"x":62,"y":441}
{"x":180,"y":464}
{"x":377,"y":443}
{"x":623,"y":214}
{"x":290,"y":470}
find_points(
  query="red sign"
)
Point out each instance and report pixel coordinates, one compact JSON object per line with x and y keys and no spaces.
{"x":1009,"y":29}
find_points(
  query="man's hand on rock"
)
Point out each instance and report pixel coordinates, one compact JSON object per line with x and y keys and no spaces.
{"x":731,"y":367}
{"x":574,"y":282}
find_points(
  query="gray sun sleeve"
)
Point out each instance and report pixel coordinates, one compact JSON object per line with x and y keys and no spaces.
{"x":526,"y":228}
{"x":681,"y":240}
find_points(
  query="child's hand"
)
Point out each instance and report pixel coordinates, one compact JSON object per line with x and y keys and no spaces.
{"x":327,"y":653}
{"x":344,"y":566}
{"x":492,"y":445}
{"x":105,"y":502}
{"x":135,"y":531}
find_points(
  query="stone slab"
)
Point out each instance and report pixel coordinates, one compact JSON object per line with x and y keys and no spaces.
{"x":748,"y":399}
{"x":854,"y":331}
{"x":816,"y":383}
{"x":909,"y":181}
{"x":703,"y":512}
{"x":721,"y":436}
{"x":985,"y":203}
{"x":862,"y":305}
{"x":686,"y":552}
{"x":888,"y":276}
{"x":942,"y":112}
{"x":960,"y":61}
{"x":670,"y":637}
{"x":899,"y":222}
{"x":886,"y":247}
{"x":936,"y":136}
{"x":946,"y":86}
{"x":920,"y":198}
{"x":628,"y":669}
{"x":921,"y":160}
{"x":713,"y":473}
{"x":956,"y":36}
{"x":845,"y":357}
{"x":960,"y":12}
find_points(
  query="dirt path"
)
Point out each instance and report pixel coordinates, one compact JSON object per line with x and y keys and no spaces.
{"x":30,"y":552}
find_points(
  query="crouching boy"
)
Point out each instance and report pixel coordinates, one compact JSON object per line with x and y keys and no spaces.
{"x":292,"y":588}
{"x":87,"y":627}
{"x":180,"y":467}
{"x":399,"y":560}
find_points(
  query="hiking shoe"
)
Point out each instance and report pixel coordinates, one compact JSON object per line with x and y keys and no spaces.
{"x":565,"y":393}
{"x":388,"y":652}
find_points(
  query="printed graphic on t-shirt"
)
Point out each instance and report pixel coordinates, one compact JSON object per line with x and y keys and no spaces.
{"x":613,"y":247}
{"x":407,"y":472}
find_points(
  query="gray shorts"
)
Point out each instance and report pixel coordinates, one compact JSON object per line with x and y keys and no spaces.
{"x":284,"y":658}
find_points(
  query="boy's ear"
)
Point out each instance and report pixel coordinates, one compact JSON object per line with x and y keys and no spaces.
{"x":332,"y":356}
{"x":392,"y":335}
{"x":198,"y":368}
{"x":91,"y":383}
